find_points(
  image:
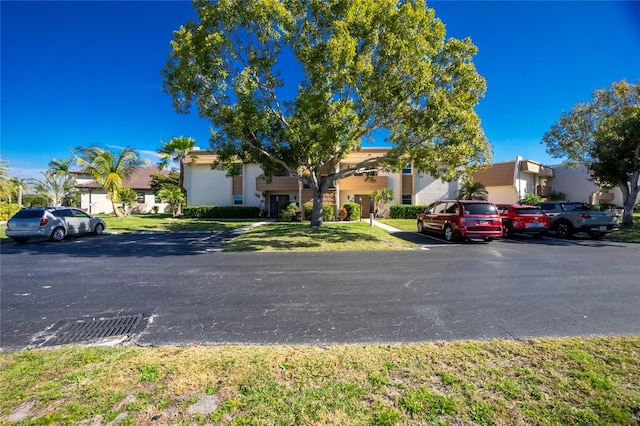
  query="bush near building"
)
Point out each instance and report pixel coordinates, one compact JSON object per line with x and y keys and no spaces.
{"x":221,"y":212}
{"x":406,"y":211}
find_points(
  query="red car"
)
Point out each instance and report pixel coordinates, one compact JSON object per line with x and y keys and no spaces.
{"x":523,"y":219}
{"x":461,"y":219}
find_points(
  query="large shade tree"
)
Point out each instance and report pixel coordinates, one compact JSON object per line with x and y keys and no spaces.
{"x":109,"y":169}
{"x":299,"y":84}
{"x":604,"y":134}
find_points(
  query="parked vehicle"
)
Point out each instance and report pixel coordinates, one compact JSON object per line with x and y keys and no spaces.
{"x":523,"y":219}
{"x":54,"y":223}
{"x":461,"y":219}
{"x":567,"y":218}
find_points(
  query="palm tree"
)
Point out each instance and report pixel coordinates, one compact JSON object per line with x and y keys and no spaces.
{"x":176,"y":149}
{"x":173,"y":195}
{"x":19,"y":186}
{"x":471,"y":190}
{"x":55,"y":187}
{"x":60,"y":167}
{"x":109,"y":169}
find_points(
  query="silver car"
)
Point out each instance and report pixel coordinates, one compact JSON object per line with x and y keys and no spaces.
{"x":54,"y":223}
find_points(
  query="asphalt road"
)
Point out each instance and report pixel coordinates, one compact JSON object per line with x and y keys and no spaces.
{"x":183,"y":290}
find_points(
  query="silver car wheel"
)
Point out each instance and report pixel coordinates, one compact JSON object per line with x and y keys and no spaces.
{"x":99,"y":229}
{"x":57,"y":235}
{"x":448,"y":233}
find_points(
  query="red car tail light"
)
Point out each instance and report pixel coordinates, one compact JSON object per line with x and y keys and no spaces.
{"x":585,"y":215}
{"x":44,"y":221}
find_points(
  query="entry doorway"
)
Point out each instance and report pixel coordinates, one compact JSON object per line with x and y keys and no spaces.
{"x":276,"y":204}
{"x":366,"y":204}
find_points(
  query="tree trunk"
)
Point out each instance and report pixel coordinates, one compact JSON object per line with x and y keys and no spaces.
{"x":628,"y":199}
{"x":116,"y":210}
{"x":181,"y":179}
{"x":316,"y":211}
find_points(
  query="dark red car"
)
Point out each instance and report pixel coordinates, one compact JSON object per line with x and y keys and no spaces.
{"x":461,"y":219}
{"x":523,"y":219}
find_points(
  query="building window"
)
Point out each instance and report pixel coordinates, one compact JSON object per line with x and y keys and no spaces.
{"x":406,"y":170}
{"x":140,"y":197}
{"x":237,"y":200}
{"x":157,"y":199}
{"x":406,"y":199}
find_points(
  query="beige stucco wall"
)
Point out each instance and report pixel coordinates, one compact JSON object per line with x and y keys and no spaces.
{"x":576,"y":185}
{"x":502,"y":194}
{"x":207,"y":187}
{"x":251,"y":172}
{"x":429,"y":190}
{"x":95,"y":201}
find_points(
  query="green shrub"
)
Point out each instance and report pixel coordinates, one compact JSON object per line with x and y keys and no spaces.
{"x":7,"y":210}
{"x":402,"y":211}
{"x":327,"y":212}
{"x":220,"y":212}
{"x":530,"y":200}
{"x":288,"y":214}
{"x":353,"y":211}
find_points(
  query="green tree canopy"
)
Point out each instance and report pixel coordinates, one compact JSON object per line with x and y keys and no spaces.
{"x":109,"y":169}
{"x":299,"y":84}
{"x":158,"y":180}
{"x":604,"y":135}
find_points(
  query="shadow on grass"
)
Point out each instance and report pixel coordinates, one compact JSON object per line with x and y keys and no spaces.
{"x":300,"y":236}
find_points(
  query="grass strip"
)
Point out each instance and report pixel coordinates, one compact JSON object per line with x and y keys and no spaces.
{"x":592,"y":381}
{"x":333,"y":236}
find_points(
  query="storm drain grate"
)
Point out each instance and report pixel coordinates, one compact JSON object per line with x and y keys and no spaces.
{"x":89,"y":330}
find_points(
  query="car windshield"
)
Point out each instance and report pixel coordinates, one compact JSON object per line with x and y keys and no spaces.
{"x":528,"y":210}
{"x":479,"y":208}
{"x":28,"y":214}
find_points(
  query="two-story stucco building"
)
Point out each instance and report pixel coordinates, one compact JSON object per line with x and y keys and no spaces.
{"x":506,"y":183}
{"x":95,"y":200}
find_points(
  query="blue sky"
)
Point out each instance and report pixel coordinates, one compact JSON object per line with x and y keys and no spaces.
{"x":82,"y":73}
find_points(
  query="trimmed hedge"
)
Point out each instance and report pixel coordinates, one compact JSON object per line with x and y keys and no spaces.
{"x":327,"y":212}
{"x":220,"y":212}
{"x":402,"y":211}
{"x":353,"y":211}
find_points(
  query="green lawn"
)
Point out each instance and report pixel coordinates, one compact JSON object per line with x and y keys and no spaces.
{"x":336,"y":236}
{"x":594,"y":381}
{"x":163,"y":222}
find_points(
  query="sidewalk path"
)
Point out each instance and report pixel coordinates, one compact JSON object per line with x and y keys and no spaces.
{"x":386,"y":227}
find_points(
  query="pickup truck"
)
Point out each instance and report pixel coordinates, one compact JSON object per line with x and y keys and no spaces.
{"x":568,"y":218}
